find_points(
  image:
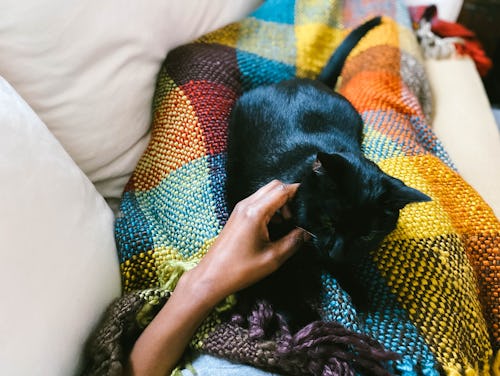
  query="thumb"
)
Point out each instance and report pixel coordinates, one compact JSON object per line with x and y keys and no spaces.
{"x":289,"y":244}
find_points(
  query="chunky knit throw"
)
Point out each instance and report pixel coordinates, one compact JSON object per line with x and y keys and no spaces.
{"x":432,"y":286}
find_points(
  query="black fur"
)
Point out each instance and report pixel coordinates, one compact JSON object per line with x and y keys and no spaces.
{"x":302,"y":131}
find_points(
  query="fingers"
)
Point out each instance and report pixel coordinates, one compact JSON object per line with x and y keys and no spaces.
{"x":286,"y":212}
{"x":285,"y":247}
{"x":266,"y":201}
{"x":273,"y":196}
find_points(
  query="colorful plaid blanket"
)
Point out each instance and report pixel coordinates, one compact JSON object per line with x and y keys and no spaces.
{"x":434,"y":282}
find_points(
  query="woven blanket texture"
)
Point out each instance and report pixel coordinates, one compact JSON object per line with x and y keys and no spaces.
{"x":434,"y":283}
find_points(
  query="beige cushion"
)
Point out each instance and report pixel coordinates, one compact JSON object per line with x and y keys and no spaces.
{"x":59,"y":267}
{"x":88,"y":69}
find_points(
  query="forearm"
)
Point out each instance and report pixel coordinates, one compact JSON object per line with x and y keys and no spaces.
{"x":164,"y":340}
{"x":242,"y":255}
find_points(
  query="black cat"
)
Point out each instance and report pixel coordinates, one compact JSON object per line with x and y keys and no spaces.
{"x":302,"y":131}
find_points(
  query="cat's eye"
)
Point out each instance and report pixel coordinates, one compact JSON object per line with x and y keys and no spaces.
{"x":326,"y":221}
{"x":368,"y":237}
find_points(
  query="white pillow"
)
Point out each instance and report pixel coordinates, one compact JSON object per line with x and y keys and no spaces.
{"x":59,"y":267}
{"x":88,"y":69}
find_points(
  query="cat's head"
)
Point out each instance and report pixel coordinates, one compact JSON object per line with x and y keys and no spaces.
{"x":349,"y":204}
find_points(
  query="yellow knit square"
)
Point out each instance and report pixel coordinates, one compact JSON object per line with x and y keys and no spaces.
{"x":318,"y":11}
{"x":417,"y":220}
{"x":227,"y":36}
{"x":315,"y":44}
{"x":408,"y":44}
{"x":386,"y":34}
{"x":271,"y":40}
{"x":469,"y":213}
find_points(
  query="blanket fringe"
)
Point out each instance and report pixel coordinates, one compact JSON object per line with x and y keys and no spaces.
{"x":328,"y":348}
{"x":108,"y":347}
{"x":324,"y":348}
{"x":171,"y":274}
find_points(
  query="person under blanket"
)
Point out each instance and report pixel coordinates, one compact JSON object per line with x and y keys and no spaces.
{"x":242,"y":255}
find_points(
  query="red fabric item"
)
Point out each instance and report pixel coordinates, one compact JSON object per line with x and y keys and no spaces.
{"x":471,"y":46}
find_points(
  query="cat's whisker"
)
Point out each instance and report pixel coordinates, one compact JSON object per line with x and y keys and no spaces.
{"x":309,"y":232}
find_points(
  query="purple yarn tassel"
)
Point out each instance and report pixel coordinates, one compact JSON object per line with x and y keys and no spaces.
{"x":320,"y":348}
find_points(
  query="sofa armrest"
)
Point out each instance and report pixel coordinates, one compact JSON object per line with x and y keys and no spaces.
{"x":464,"y":122}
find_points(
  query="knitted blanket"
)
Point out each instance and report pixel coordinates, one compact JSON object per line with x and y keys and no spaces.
{"x":433,"y":284}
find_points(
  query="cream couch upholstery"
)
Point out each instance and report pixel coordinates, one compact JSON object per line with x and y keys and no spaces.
{"x":464,"y":123}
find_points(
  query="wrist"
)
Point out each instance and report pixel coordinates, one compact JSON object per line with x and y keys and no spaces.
{"x":201,"y":286}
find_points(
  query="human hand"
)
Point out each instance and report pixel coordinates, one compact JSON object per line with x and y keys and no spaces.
{"x":241,"y":255}
{"x":243,"y":252}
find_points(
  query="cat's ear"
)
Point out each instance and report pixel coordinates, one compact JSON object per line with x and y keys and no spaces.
{"x":331,"y":163}
{"x":399,"y":194}
{"x":317,"y":166}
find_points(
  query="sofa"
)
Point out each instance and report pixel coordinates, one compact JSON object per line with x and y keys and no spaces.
{"x":77,"y":81}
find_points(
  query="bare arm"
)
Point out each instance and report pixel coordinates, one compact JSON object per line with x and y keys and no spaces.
{"x":241,"y":256}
